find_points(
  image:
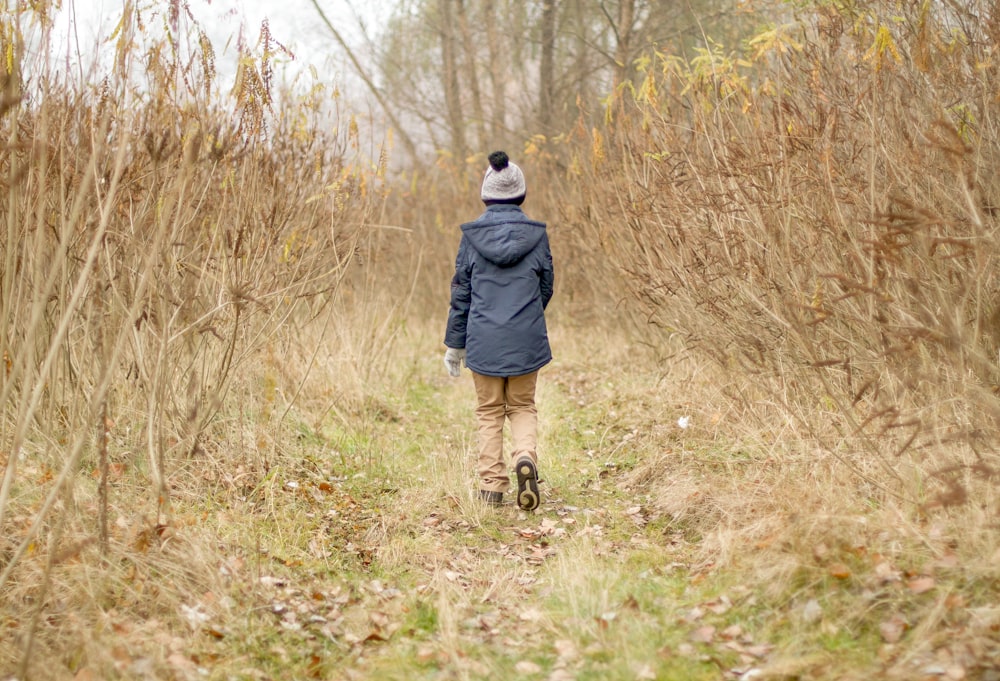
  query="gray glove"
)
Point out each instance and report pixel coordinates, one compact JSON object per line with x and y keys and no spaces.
{"x":454,"y":360}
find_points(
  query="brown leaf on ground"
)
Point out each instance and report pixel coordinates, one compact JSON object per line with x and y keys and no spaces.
{"x":531,"y":615}
{"x":892,"y":629}
{"x":704,"y":634}
{"x":566,"y":650}
{"x":527,"y":667}
{"x":920,"y":585}
{"x":886,"y":573}
{"x":630,"y":603}
{"x":839,"y":571}
{"x":720,"y":605}
{"x":181,"y":662}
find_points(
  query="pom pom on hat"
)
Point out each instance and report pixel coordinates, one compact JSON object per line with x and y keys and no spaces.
{"x":504,"y":179}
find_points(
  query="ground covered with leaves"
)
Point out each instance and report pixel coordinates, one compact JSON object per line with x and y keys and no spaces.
{"x":662,"y":550}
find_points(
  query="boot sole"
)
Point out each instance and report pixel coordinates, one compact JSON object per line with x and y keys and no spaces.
{"x":527,"y":485}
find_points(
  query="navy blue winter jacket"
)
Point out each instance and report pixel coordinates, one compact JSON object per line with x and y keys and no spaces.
{"x":503,"y":282}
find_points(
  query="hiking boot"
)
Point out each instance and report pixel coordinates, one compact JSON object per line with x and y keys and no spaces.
{"x":527,"y":484}
{"x":491,"y":498}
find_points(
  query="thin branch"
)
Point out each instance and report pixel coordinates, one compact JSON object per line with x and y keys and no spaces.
{"x":411,"y":148}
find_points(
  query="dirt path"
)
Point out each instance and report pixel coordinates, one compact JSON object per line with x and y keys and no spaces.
{"x":440,"y":586}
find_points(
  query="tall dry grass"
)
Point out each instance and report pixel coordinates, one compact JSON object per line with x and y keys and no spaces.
{"x":162,"y":244}
{"x":807,"y":225}
{"x":817,"y":217}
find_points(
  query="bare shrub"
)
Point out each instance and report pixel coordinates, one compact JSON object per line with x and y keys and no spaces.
{"x":154,"y":244}
{"x":827,"y":230}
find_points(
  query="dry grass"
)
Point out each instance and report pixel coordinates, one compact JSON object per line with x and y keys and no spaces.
{"x":230,"y":449}
{"x":159,"y":252}
{"x":827,"y":242}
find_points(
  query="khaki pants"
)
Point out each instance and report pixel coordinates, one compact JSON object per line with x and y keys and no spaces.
{"x":499,"y":399}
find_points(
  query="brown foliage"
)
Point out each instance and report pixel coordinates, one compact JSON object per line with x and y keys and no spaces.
{"x":154,"y":244}
{"x":823,"y":228}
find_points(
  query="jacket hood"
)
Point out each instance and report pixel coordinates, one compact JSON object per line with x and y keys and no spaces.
{"x":504,"y":234}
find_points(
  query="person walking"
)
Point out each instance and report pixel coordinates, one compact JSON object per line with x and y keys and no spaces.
{"x":496,"y":327}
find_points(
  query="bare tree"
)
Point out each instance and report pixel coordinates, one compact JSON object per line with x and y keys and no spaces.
{"x":624,"y":29}
{"x":455,"y":73}
{"x":546,"y":72}
{"x":411,"y":148}
{"x":450,"y":77}
{"x":498,"y":101}
{"x":471,"y":63}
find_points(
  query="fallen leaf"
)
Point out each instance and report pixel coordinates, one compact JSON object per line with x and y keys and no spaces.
{"x":812,"y":611}
{"x":733,"y":631}
{"x":719,"y":606}
{"x":531,"y":615}
{"x":948,"y":560}
{"x":758,"y":650}
{"x":886,"y":573}
{"x":704,"y":634}
{"x":921,"y":585}
{"x":686,"y":650}
{"x":566,"y":650}
{"x":954,"y":602}
{"x":181,"y":662}
{"x":840,"y":571}
{"x":892,"y":629}
{"x":645,"y":673}
{"x":527,"y":667}
{"x":194,"y":616}
{"x":955,"y":673}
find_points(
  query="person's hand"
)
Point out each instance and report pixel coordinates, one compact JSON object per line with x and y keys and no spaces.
{"x":454,"y":360}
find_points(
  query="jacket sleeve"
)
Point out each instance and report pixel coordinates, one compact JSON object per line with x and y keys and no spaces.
{"x":461,"y":299}
{"x":546,"y":276}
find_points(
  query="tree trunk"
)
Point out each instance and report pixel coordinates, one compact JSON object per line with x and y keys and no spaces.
{"x":546,"y":72}
{"x":449,"y":75}
{"x":498,"y":81}
{"x":471,"y":63}
{"x":623,"y":48}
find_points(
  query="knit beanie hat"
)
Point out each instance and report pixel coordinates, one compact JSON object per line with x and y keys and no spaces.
{"x":503,"y":181}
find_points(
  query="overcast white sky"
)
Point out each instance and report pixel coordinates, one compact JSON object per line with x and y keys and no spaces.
{"x":294,"y":23}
